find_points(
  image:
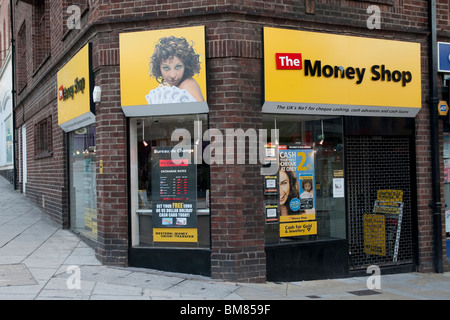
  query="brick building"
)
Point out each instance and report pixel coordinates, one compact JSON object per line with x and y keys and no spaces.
{"x":95,"y":164}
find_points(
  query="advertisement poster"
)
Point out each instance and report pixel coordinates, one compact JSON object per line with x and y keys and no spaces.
{"x":163,"y":71}
{"x":297,"y":194}
{"x":174,"y":196}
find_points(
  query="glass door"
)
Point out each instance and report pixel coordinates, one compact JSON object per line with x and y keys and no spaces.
{"x":83,"y":188}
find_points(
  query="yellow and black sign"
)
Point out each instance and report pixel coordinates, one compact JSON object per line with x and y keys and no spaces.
{"x":319,"y":73}
{"x":374,"y":228}
{"x":298,"y":229}
{"x":75,"y":104}
{"x":174,"y":235}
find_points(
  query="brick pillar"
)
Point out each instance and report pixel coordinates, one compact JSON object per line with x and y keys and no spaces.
{"x":237,"y":222}
{"x":111,"y":140}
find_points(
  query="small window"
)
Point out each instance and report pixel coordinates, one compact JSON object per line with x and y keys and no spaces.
{"x":21,"y":65}
{"x":43,"y":138}
{"x":41,"y":33}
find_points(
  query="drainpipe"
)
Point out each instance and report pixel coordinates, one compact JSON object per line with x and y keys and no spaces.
{"x":13,"y":91}
{"x":436,"y":203}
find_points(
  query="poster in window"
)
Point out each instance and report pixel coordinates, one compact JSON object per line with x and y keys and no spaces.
{"x":296,"y":187}
{"x":174,"y":195}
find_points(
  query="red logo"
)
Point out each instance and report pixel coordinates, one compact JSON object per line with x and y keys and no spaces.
{"x":175,"y":163}
{"x":61,"y":92}
{"x":289,"y":61}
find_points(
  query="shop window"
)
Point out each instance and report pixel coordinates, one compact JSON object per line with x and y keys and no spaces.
{"x":170,"y":189}
{"x":305,"y":200}
{"x":83,"y":182}
{"x":43,"y":138}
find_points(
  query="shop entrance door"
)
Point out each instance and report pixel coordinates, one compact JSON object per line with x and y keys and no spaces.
{"x":375,"y":163}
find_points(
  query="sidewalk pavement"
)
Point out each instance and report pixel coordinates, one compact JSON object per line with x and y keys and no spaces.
{"x":36,"y":258}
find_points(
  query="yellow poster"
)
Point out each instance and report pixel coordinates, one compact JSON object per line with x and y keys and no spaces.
{"x":162,"y":68}
{"x":374,"y":229}
{"x":298,"y":229}
{"x":319,"y":73}
{"x":174,"y":235}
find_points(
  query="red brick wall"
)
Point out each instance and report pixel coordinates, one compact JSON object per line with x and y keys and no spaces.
{"x":234,"y":62}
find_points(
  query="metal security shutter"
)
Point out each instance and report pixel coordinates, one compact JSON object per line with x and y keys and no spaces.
{"x":378,"y":163}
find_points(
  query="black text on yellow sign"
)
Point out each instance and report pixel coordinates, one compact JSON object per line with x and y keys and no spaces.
{"x":175,"y":235}
{"x":298,"y":229}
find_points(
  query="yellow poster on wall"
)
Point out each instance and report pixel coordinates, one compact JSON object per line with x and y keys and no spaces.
{"x":163,"y":71}
{"x":74,"y":92}
{"x":319,"y":73}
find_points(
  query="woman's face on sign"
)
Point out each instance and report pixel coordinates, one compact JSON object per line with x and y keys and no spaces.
{"x":172,"y":71}
{"x":284,"y":187}
{"x":308,"y":187}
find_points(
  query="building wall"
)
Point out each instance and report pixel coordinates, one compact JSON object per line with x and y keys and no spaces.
{"x":234,"y":66}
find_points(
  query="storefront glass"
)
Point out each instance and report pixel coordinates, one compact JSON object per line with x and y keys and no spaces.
{"x":305,"y":201}
{"x":83,"y":190}
{"x":170,"y":189}
{"x":447,"y":181}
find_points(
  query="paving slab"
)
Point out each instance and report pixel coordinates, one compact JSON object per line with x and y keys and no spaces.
{"x":15,"y":275}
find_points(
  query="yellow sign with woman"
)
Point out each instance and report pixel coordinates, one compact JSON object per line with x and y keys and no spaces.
{"x":163,"y":68}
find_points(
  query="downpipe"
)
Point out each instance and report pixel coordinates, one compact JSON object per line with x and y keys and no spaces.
{"x":436,"y":203}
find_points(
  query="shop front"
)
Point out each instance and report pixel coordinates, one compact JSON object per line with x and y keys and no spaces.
{"x":344,"y":196}
{"x":339,"y":113}
{"x":76,"y":117}
{"x":167,"y":114}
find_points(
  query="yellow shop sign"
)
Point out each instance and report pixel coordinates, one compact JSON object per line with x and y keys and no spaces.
{"x":75,"y":106}
{"x":318,"y":73}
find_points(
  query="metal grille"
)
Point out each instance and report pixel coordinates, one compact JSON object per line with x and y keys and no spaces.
{"x":378,"y":163}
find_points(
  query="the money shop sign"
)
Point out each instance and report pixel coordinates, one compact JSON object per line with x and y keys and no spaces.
{"x":316,"y":73}
{"x":75,"y":105}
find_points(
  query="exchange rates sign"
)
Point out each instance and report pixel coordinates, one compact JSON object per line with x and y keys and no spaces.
{"x":174,"y":195}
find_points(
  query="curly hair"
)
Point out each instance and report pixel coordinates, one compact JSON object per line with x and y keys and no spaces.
{"x":169,"y":47}
{"x":305,"y":181}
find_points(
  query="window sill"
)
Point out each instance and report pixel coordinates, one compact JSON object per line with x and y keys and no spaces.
{"x":43,"y":155}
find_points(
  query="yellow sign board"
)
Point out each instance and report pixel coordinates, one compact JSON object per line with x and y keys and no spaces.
{"x":318,"y":73}
{"x":174,"y":235}
{"x":147,"y":88}
{"x":298,"y":229}
{"x":74,"y":92}
{"x":374,"y":229}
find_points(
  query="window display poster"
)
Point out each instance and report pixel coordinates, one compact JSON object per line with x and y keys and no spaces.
{"x":174,"y":195}
{"x":296,"y":187}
